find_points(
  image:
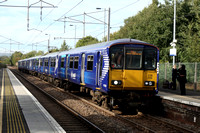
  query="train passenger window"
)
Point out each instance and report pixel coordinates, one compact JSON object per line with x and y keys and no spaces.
{"x":53,"y":62}
{"x":40,"y":62}
{"x":62,"y":62}
{"x":71,"y":62}
{"x":30,"y":64}
{"x":150,"y":58}
{"x":37,"y":63}
{"x":133,"y":59}
{"x":90,"y":60}
{"x":76,"y":62}
{"x":46,"y":62}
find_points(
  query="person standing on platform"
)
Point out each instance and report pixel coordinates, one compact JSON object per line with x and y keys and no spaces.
{"x":182,"y":79}
{"x":174,"y":76}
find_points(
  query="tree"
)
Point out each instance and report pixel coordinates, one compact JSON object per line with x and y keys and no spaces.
{"x":4,"y":60}
{"x":30,"y":54}
{"x":53,"y":50}
{"x":189,"y":31}
{"x":64,"y":47}
{"x":154,"y":24}
{"x":86,"y":41}
{"x":15,"y":57}
{"x":39,"y":53}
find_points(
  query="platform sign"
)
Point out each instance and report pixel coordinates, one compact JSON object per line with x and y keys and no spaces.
{"x":172,"y":52}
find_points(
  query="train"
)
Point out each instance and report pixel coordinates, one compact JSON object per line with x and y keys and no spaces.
{"x":119,"y":73}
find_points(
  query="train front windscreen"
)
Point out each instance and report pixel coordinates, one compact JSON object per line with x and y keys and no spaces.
{"x":133,"y":58}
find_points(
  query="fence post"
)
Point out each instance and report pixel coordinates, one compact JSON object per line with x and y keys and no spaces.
{"x":165,"y":71}
{"x":179,"y":65}
{"x":195,"y":77}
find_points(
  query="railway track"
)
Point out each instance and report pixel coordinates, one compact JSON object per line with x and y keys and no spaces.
{"x":107,"y":120}
{"x":69,"y":120}
{"x":153,"y":124}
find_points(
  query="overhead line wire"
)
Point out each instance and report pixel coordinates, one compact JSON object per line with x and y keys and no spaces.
{"x":45,"y":18}
{"x":125,"y":6}
{"x":58,"y":19}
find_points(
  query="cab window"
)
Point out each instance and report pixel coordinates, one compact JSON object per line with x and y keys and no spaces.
{"x":150,"y":58}
{"x":133,"y":59}
{"x":117,"y":55}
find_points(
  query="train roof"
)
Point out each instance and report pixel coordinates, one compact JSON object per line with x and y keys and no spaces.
{"x":50,"y":55}
{"x":103,"y":45}
{"x":93,"y":47}
{"x":35,"y":57}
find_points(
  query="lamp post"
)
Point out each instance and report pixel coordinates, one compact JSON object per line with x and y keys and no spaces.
{"x":108,"y":36}
{"x":75,"y":33}
{"x":173,"y":43}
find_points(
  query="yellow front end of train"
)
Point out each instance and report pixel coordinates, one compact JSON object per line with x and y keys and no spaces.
{"x":130,"y":80}
{"x":133,"y":68}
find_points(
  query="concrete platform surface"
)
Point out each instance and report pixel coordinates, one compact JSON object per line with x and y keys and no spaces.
{"x":37,"y":118}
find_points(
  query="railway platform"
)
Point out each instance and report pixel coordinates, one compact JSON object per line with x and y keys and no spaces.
{"x":20,"y":111}
{"x":191,"y":98}
{"x":183,"y":108}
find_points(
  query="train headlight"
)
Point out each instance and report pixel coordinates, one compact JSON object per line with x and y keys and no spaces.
{"x":116,"y":82}
{"x":149,"y":83}
{"x":146,"y":83}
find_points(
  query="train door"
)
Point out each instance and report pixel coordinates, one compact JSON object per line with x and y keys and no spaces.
{"x":133,"y":75}
{"x":98,"y":69}
{"x":82,"y":68}
{"x":66,"y":67}
{"x":56,"y":66}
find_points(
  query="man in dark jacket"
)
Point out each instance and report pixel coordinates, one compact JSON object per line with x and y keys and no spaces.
{"x":174,"y":76}
{"x":182,"y":79}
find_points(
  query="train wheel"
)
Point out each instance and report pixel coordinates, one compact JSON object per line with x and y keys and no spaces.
{"x":67,"y":87}
{"x":49,"y":81}
{"x":105,"y":103}
{"x":56,"y":83}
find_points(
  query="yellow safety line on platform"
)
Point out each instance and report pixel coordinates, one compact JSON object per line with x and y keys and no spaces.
{"x":1,"y":102}
{"x":14,"y":122}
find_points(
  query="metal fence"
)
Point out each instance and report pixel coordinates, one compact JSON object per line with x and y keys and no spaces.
{"x":192,"y":70}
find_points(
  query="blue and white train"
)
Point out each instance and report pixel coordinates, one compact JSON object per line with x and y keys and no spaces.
{"x":115,"y":72}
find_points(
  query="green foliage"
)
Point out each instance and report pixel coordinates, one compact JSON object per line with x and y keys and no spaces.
{"x":39,"y":53}
{"x":86,"y":41}
{"x":4,"y":60}
{"x":18,"y":56}
{"x":64,"y":47}
{"x":53,"y":50}
{"x":15,"y":57}
{"x":30,"y":54}
{"x":154,"y":24}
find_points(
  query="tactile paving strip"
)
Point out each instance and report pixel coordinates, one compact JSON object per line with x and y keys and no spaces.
{"x":13,"y":119}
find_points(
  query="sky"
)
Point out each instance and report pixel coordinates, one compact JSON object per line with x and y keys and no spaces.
{"x":26,"y":29}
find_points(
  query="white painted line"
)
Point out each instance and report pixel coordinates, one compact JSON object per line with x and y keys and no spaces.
{"x":180,"y":99}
